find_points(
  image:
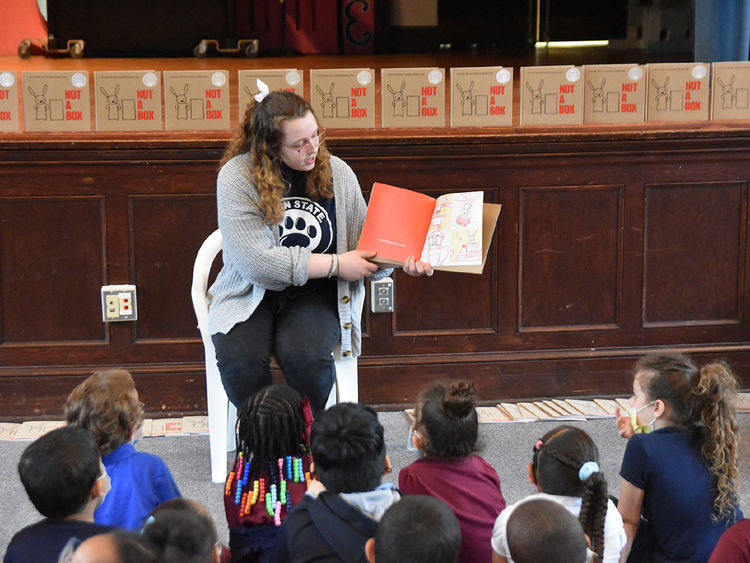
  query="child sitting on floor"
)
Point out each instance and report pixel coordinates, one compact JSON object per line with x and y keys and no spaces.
{"x":117,"y":546}
{"x":182,"y":531}
{"x":64,"y":477}
{"x":543,"y":530}
{"x":565,"y":468}
{"x":682,"y":476}
{"x":107,"y":404}
{"x":445,"y":429}
{"x":417,"y":529}
{"x":348,"y":450}
{"x":272,"y":460}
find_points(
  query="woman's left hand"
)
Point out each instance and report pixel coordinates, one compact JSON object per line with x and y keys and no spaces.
{"x":415,"y":267}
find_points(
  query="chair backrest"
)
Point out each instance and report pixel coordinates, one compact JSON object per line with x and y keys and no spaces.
{"x":199,"y":289}
{"x":221,"y":414}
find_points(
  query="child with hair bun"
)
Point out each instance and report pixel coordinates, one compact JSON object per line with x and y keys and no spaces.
{"x":445,"y":430}
{"x":680,"y":477}
{"x":565,"y":468}
{"x":270,"y":471}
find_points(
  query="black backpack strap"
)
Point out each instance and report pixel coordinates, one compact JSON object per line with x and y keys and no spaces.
{"x":342,"y":527}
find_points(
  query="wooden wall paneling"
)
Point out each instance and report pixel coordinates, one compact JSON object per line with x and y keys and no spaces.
{"x":39,"y":393}
{"x":448,"y":303}
{"x":570,"y":249}
{"x":694,"y":253}
{"x":42,"y":241}
{"x":514,"y":378}
{"x":157,"y":194}
{"x":166,"y":232}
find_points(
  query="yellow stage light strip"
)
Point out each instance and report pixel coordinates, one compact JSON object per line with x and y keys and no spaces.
{"x":570,"y":44}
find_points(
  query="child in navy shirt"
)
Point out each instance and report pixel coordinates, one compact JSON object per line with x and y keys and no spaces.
{"x":64,"y":477}
{"x":680,"y":478}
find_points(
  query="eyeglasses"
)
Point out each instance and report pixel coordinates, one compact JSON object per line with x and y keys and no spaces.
{"x":313,"y":141}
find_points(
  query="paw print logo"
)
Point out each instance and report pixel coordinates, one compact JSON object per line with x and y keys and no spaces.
{"x":305,"y":224}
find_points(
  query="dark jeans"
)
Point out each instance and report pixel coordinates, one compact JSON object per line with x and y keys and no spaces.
{"x":300,"y":328}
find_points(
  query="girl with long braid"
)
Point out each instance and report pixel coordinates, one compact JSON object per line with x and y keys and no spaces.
{"x":679,"y":474}
{"x":271,"y":469}
{"x":565,"y":468}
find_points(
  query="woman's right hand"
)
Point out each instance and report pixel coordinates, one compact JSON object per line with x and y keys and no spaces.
{"x":355,"y":264}
{"x":624,"y":424}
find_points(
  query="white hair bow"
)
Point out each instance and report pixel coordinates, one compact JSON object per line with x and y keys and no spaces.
{"x":263,"y":87}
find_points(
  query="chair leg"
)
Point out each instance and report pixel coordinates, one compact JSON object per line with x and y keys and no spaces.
{"x":333,"y":398}
{"x":217,"y":428}
{"x":231,"y":426}
{"x":347,"y":380}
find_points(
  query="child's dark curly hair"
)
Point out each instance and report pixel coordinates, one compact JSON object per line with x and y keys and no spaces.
{"x":271,"y":425}
{"x":446,"y":418}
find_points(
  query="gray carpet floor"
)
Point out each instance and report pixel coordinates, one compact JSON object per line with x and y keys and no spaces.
{"x":506,"y":446}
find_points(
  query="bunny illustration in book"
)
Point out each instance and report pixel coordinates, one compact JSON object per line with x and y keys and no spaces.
{"x":537,"y":98}
{"x":662,"y":97}
{"x":114,"y":106}
{"x":41,"y":105}
{"x":437,"y":248}
{"x":467,"y":99}
{"x":181,"y":103}
{"x":399,"y":103}
{"x":328,"y":104}
{"x":598,"y":97}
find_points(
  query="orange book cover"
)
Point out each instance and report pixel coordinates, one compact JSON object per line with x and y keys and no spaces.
{"x":452,"y":232}
{"x":396,"y":223}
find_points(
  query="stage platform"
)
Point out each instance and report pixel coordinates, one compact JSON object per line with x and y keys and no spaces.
{"x":613,"y":241}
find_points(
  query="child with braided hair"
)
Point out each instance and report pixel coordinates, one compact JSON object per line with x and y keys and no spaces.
{"x":565,"y":468}
{"x":445,"y":430}
{"x":271,"y":469}
{"x":680,"y":476}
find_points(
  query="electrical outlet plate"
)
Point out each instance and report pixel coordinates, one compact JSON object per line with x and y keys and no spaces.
{"x":381,"y":296}
{"x":119,"y":303}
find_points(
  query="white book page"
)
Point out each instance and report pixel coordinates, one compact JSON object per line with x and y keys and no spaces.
{"x":455,"y":234}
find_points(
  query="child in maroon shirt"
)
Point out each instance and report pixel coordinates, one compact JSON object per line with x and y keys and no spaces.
{"x":445,"y":429}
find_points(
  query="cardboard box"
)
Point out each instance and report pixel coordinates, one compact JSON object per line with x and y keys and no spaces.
{"x":551,"y":95}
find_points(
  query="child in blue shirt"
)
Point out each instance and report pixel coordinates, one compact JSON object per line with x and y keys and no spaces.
{"x":107,"y":404}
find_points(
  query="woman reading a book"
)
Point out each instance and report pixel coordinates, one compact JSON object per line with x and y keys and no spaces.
{"x":290,"y":214}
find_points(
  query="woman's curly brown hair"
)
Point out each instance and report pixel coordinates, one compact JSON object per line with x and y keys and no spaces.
{"x":107,"y":405}
{"x":260,"y":137}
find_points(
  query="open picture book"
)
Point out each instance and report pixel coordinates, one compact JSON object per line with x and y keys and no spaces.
{"x":452,"y":233}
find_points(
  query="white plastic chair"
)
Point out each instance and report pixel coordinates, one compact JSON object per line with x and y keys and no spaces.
{"x":222,"y":414}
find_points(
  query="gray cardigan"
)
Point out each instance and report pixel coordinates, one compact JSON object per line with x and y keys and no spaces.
{"x":255,"y":261}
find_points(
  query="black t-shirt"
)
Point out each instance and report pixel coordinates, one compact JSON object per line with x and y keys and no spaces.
{"x":309,"y":223}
